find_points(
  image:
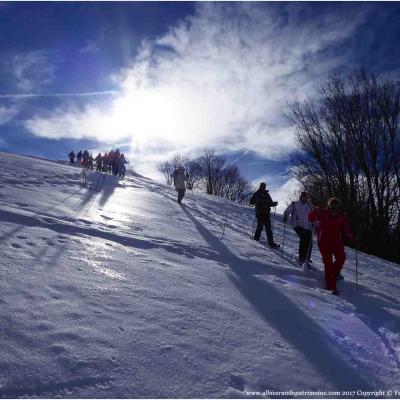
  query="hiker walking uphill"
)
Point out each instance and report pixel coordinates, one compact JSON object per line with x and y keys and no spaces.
{"x":71,"y":157}
{"x":180,"y":179}
{"x":114,"y":161}
{"x":85,"y":159}
{"x":298,"y":212}
{"x":263,"y":202}
{"x":332,"y":228}
{"x":99,"y":161}
{"x":79,"y":157}
{"x":121,"y":166}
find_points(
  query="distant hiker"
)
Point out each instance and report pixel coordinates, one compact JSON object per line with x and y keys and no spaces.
{"x":263,"y":202}
{"x":79,"y":157}
{"x":99,"y":162}
{"x":90,"y":161}
{"x":71,"y":157}
{"x":115,"y":160}
{"x":105,"y":162}
{"x":121,"y":166}
{"x":332,"y":228}
{"x":85,"y":159}
{"x":298,"y":212}
{"x":110,"y":159}
{"x":179,"y":178}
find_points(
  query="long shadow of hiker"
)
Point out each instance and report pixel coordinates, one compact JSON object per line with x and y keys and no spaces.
{"x":288,"y":319}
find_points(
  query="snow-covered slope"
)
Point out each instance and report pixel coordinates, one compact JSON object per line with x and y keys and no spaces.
{"x":124,"y":293}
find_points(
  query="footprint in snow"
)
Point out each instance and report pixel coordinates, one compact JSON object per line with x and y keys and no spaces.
{"x":57,"y":349}
{"x":338,"y":333}
{"x":21,"y":237}
{"x":236,"y":382}
{"x":85,"y":221}
{"x":15,"y":245}
{"x":166,"y":349}
{"x":31,"y":244}
{"x":23,"y":205}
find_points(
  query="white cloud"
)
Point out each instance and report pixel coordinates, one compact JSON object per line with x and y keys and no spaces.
{"x":220,"y":78}
{"x":282,"y":193}
{"x":32,"y":70}
{"x":7,"y":114}
{"x":91,"y":47}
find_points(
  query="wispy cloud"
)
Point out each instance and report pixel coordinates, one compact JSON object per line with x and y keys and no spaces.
{"x":7,"y":114}
{"x":220,"y":78}
{"x":91,"y":47}
{"x":82,"y":94}
{"x":32,"y":70}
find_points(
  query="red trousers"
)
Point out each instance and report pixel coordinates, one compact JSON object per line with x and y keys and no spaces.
{"x":332,"y":268}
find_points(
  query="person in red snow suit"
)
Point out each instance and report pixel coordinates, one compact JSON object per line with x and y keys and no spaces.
{"x":332,"y":229}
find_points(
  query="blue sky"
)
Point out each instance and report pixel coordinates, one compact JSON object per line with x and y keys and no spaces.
{"x":159,"y":78}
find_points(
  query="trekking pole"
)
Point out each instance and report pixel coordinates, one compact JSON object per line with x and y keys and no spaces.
{"x":83,"y":178}
{"x":223,"y":230}
{"x":254,"y":224}
{"x":283,"y":238}
{"x":356,"y":268}
{"x":311,"y":241}
{"x":273,"y":218}
{"x":195,"y":202}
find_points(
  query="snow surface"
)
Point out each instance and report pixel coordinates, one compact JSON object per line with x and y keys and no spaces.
{"x":124,"y":293}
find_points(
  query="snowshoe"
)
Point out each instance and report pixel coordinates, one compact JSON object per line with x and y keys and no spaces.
{"x":274,"y":245}
{"x":301,"y":264}
{"x":307,"y":265}
{"x":339,"y":277}
{"x":335,"y":292}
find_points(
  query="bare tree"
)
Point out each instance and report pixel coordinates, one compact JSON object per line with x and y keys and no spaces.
{"x":165,"y":168}
{"x":209,"y":173}
{"x":350,"y":144}
{"x":194,"y":171}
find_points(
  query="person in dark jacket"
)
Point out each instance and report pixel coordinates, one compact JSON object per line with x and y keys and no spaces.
{"x":262,"y":201}
{"x":121,"y":166}
{"x":99,"y":161}
{"x":85,"y":159}
{"x":105,"y":163}
{"x":79,"y":157}
{"x":332,"y":229}
{"x":71,"y":157}
{"x":110,"y":159}
{"x":179,"y":178}
{"x":115,"y":162}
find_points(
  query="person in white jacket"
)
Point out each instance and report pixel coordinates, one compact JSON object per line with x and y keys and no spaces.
{"x":298,"y":212}
{"x":180,"y":179}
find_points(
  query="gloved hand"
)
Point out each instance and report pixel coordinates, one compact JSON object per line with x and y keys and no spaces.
{"x":275,"y":203}
{"x":284,"y":218}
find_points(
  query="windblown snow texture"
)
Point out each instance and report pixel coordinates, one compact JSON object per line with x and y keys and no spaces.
{"x":124,"y":293}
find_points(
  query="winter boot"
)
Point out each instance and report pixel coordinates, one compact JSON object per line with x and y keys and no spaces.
{"x":274,"y":245}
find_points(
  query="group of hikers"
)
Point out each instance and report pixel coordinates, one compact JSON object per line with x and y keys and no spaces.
{"x":332,"y":227}
{"x":332,"y":230}
{"x":112,"y":163}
